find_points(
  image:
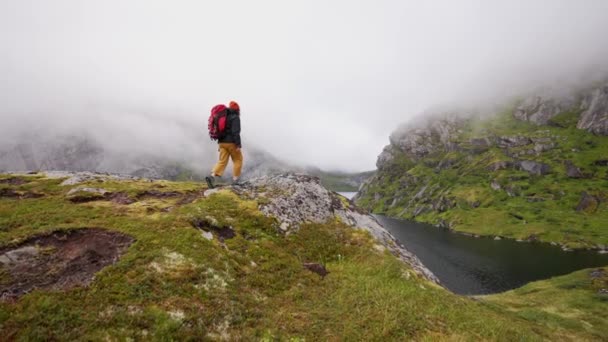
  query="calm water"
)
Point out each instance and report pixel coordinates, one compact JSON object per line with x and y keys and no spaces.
{"x":468,"y":265}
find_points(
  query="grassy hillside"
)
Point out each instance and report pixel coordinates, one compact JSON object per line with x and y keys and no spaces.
{"x":237,"y":278}
{"x":479,"y":186}
{"x":578,"y":301}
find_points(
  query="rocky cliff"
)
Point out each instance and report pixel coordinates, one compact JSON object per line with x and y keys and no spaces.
{"x":538,"y":171}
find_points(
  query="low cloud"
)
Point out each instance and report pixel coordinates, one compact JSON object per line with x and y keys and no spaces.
{"x":320,"y":83}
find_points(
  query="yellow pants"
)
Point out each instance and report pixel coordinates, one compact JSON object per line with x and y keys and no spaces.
{"x":229,"y":150}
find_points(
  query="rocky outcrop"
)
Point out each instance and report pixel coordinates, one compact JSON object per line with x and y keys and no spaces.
{"x":592,"y":104}
{"x":294,"y":199}
{"x":534,"y":167}
{"x":540,"y":110}
{"x":594,"y":118}
{"x":422,"y":138}
{"x":513,"y":141}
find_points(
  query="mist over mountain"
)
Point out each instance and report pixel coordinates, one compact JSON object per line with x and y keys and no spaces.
{"x":145,"y":145}
{"x":319,"y":83}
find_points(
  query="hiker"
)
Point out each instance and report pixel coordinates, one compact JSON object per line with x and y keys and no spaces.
{"x":225,"y":127}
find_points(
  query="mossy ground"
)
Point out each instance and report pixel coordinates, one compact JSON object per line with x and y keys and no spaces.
{"x":174,"y":284}
{"x":543,"y":207}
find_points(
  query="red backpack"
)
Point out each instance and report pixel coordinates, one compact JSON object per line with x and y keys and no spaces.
{"x":217,"y":122}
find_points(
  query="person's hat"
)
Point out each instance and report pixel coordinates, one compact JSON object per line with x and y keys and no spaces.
{"x":234,"y":106}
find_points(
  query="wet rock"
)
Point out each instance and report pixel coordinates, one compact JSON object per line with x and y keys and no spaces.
{"x":61,"y":260}
{"x":535,"y":168}
{"x":601,"y":162}
{"x":316,"y":268}
{"x":594,"y":118}
{"x":588,"y":203}
{"x":572,"y":171}
{"x":540,"y":110}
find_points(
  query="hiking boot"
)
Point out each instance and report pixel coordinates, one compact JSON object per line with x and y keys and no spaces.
{"x":236,"y":182}
{"x":209,"y":180}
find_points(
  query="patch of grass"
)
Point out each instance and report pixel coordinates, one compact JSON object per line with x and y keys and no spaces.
{"x":570,"y":302}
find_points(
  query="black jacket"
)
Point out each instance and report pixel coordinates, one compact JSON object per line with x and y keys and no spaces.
{"x":233,"y":129}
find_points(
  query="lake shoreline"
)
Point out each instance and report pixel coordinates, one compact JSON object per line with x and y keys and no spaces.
{"x":471,"y":265}
{"x":598,"y":248}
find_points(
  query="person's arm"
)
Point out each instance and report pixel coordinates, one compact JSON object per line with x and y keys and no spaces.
{"x":236,"y":131}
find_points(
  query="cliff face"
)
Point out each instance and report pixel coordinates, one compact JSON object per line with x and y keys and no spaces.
{"x":537,"y":172}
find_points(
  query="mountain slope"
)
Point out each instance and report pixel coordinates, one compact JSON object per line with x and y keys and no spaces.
{"x":232,"y":263}
{"x":538,"y":171}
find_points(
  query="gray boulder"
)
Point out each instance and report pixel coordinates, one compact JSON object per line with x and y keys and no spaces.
{"x":513,"y":141}
{"x":572,"y":171}
{"x":534,"y":167}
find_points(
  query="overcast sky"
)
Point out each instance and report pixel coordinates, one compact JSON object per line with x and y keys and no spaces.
{"x":320,"y":82}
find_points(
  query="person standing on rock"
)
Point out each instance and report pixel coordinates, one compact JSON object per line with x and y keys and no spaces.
{"x":228,"y":136}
